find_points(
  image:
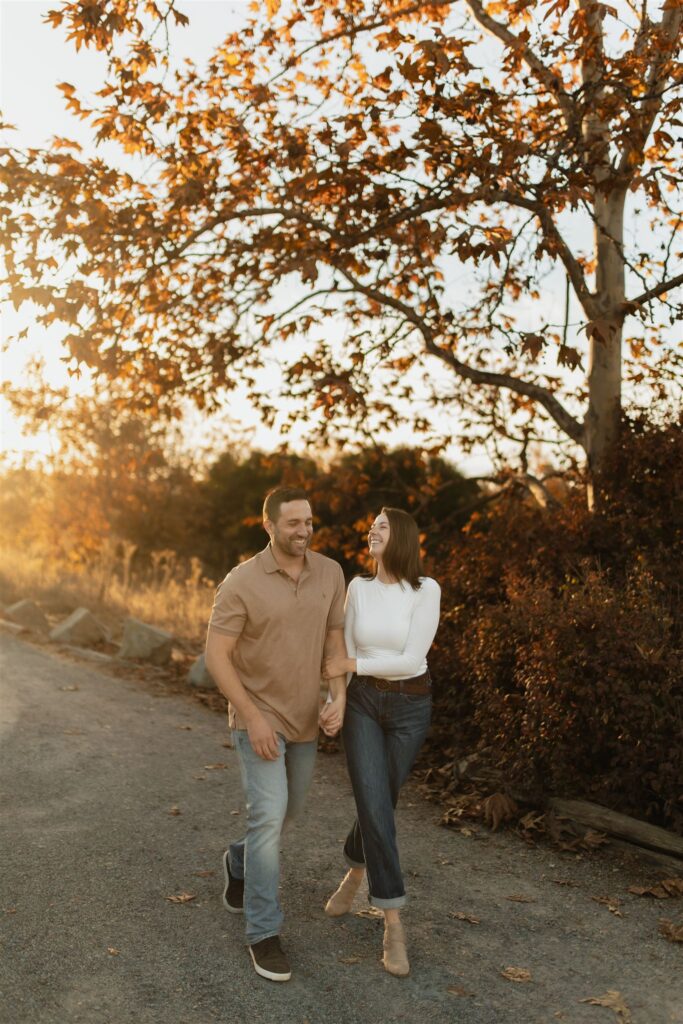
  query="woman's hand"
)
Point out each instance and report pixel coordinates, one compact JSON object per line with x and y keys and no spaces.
{"x":338,"y":667}
{"x":331,"y":717}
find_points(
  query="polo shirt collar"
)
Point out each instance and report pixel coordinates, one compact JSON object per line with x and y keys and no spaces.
{"x":270,"y":564}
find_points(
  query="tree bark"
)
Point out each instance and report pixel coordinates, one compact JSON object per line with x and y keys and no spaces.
{"x":603,"y":417}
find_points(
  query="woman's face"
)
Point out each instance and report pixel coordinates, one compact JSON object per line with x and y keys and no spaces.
{"x":378,"y":536}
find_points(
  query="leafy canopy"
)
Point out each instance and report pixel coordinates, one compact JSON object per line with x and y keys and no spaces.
{"x":364,"y":192}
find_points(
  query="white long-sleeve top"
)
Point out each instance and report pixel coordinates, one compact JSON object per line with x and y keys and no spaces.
{"x":389,"y":627}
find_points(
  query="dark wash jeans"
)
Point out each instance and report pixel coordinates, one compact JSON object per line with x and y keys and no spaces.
{"x":382,"y":733}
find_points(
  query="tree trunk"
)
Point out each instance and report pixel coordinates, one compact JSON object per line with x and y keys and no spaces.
{"x":604,"y":369}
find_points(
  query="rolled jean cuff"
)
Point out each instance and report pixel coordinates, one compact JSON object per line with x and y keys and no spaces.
{"x":260,"y":938}
{"x":393,"y":904}
{"x":353,"y":863}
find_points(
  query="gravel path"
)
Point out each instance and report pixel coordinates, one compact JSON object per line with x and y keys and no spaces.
{"x":116,"y":797}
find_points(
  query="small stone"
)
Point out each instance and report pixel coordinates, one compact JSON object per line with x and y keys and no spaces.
{"x":199,"y":674}
{"x":81,"y":628}
{"x":27,"y":613}
{"x":145,"y":642}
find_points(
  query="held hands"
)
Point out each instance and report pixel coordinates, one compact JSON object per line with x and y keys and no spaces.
{"x":263,"y":739}
{"x":331,"y":717}
{"x":338,"y":666}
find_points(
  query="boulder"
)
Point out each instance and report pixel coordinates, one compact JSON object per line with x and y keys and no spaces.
{"x":148,"y":643}
{"x":27,"y":613}
{"x":81,"y":628}
{"x":199,"y":674}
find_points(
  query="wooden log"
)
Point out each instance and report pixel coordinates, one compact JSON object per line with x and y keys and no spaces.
{"x":620,"y":825}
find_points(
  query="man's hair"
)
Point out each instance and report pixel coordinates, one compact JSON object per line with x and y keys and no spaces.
{"x":402,"y":558}
{"x":279,"y":496}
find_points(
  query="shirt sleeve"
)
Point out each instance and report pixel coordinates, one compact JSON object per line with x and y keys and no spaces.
{"x":335,"y":617}
{"x":423,"y":625}
{"x":229,"y":612}
{"x":349,"y":620}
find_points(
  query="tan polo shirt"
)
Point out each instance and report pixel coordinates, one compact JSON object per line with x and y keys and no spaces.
{"x":281,"y":625}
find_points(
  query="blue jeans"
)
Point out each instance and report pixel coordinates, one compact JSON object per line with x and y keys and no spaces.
{"x":274,"y":792}
{"x":383,"y":733}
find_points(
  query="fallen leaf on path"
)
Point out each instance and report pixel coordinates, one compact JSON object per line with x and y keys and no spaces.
{"x":235,"y":812}
{"x":519,"y":898}
{"x":613,"y":1000}
{"x":458,"y":990}
{"x":564,"y":881}
{"x":671,"y":932}
{"x":611,"y":902}
{"x":188,"y":727}
{"x":498,"y":808}
{"x":442,"y":862}
{"x":199,"y":778}
{"x":516,"y":974}
{"x":182,"y":897}
{"x":349,"y":959}
{"x":460,"y":916}
{"x":11,"y":910}
{"x":667,"y":889}
{"x":369,"y":912}
{"x":175,"y":810}
{"x":112,"y":951}
{"x":69,"y":689}
{"x":214,"y":767}
{"x":594,"y":840}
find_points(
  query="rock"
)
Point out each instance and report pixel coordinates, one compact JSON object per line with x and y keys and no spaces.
{"x":149,"y":643}
{"x":11,"y":627}
{"x":80,"y":628}
{"x":27,"y":613}
{"x":199,"y":674}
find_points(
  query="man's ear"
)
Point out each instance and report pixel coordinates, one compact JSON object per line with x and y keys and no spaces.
{"x":268,"y":527}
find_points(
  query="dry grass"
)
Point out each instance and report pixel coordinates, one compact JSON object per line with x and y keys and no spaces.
{"x":181,"y":606}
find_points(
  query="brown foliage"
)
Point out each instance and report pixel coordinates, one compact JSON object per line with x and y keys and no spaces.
{"x":562,"y":641}
{"x":342,"y":157}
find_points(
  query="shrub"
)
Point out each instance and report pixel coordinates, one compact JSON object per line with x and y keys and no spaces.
{"x":561,"y":645}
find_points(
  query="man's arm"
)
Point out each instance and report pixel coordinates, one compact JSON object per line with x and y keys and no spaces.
{"x":332,"y":714}
{"x":219,"y":651}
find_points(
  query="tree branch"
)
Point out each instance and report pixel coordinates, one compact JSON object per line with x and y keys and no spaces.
{"x":562,"y":417}
{"x":670,"y":27}
{"x":652,"y":293}
{"x":551,"y":81}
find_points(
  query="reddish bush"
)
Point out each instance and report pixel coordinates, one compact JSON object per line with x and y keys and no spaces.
{"x":561,"y":646}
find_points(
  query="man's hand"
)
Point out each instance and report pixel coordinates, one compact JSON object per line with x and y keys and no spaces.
{"x":331,"y":716}
{"x":263,"y":739}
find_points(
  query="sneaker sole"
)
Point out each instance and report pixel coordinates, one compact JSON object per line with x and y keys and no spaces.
{"x":232,"y":910}
{"x":270,"y":975}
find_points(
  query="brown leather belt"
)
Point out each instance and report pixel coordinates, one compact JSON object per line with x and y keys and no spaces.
{"x":415,"y":686}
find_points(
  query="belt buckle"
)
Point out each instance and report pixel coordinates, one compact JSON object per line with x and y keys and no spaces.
{"x":383,"y":685}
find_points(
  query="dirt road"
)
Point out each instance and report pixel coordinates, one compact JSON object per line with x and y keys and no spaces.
{"x":116,"y":797}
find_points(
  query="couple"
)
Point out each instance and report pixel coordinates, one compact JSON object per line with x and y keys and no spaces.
{"x":277,"y":618}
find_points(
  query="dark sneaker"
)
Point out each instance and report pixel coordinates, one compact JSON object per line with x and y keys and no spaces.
{"x":233,"y":894}
{"x":269,"y":960}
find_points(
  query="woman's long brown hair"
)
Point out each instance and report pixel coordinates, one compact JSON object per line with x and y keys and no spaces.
{"x":402,"y":558}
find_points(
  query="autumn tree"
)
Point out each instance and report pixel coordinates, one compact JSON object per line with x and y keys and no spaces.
{"x":368,"y":192}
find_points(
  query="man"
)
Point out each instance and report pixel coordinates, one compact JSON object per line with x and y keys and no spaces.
{"x":275,"y":618}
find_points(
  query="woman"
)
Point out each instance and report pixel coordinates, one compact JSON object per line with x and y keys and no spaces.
{"x":391,"y":619}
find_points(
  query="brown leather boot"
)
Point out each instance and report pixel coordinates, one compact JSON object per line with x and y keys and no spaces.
{"x":341,"y":901}
{"x":395,"y":957}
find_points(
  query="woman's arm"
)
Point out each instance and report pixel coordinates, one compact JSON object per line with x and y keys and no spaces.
{"x":335,"y":666}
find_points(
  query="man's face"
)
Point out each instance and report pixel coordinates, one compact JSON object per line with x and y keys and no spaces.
{"x":293,"y":530}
